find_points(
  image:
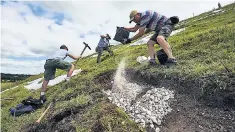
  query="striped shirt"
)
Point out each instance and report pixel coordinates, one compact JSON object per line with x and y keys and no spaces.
{"x":151,"y":20}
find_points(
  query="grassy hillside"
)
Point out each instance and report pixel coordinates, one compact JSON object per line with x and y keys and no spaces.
{"x":7,"y":85}
{"x":205,"y":51}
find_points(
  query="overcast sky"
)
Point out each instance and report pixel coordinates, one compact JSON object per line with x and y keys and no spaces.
{"x":30,"y":31}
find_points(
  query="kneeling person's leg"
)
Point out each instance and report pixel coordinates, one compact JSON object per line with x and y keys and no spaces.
{"x":163,"y":34}
{"x":161,"y":39}
{"x":150,"y":45}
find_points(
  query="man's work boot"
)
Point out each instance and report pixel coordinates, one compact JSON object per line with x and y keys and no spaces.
{"x":152,"y":62}
{"x":43,"y":98}
{"x":171,"y":61}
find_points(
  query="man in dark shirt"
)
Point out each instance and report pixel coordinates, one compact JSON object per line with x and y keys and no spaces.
{"x":103,"y":45}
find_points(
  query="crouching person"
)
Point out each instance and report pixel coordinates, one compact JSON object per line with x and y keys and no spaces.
{"x":162,"y":26}
{"x":56,"y":61}
{"x":103,"y":45}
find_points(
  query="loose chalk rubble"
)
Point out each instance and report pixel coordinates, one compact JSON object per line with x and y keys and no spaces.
{"x":36,"y":84}
{"x":148,"y":109}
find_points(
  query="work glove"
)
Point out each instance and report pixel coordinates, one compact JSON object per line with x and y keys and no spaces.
{"x":126,"y":41}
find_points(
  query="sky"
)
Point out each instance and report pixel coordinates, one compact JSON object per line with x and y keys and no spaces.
{"x":33,"y":30}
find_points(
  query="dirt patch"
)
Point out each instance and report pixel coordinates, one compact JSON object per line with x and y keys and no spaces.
{"x":58,"y":122}
{"x":191,"y":112}
{"x":190,"y":115}
{"x":98,"y":127}
{"x":105,"y":79}
{"x":201,"y":88}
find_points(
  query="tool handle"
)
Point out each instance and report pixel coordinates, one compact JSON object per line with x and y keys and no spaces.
{"x":82,"y":51}
{"x":76,"y":61}
{"x":43,"y":114}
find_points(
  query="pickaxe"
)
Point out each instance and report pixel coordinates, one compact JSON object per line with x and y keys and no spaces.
{"x":86,"y":45}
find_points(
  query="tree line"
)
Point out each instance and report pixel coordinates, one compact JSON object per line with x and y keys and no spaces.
{"x":6,"y":77}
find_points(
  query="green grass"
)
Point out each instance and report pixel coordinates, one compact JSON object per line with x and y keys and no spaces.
{"x":7,"y":85}
{"x":205,"y":48}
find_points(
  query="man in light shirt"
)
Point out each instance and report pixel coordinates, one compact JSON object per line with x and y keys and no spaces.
{"x":56,"y":61}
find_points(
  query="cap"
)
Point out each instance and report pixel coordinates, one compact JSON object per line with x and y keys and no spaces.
{"x":64,"y":47}
{"x":132,"y":15}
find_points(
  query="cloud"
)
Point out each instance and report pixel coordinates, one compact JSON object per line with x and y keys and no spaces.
{"x":21,"y":67}
{"x":37,"y":29}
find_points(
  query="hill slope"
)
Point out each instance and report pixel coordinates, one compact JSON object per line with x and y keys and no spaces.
{"x":203,"y":82}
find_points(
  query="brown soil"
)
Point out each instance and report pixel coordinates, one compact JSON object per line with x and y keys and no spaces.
{"x":191,"y":112}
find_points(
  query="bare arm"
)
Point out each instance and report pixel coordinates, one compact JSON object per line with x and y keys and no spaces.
{"x":139,"y":34}
{"x":74,"y":57}
{"x":133,"y":29}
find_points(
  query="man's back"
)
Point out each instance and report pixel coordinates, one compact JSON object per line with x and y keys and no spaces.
{"x":59,"y":54}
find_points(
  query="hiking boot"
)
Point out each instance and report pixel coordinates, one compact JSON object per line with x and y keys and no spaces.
{"x":43,"y":98}
{"x":171,"y":61}
{"x":152,"y":62}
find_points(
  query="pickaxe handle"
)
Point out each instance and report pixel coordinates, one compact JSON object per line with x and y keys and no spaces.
{"x":83,"y":50}
{"x":44,"y":113}
{"x":86,"y":45}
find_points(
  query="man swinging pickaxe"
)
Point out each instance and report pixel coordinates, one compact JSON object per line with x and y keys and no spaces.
{"x":86,"y":46}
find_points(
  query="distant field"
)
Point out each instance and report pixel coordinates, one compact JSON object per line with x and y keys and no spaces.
{"x":7,"y":85}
